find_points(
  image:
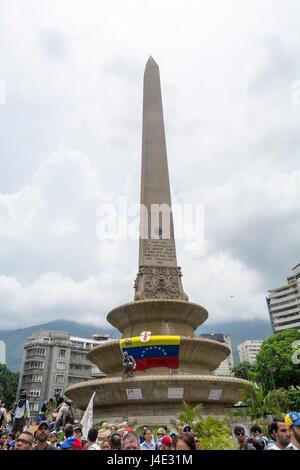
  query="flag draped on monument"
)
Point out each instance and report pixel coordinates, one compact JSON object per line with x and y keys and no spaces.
{"x":159,"y":351}
{"x":87,"y":419}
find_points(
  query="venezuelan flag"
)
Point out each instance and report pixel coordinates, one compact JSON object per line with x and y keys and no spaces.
{"x":159,"y":351}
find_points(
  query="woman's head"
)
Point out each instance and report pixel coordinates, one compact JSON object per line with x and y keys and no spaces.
{"x":106,"y":445}
{"x":148,"y":435}
{"x":185,"y":441}
{"x":161,"y":433}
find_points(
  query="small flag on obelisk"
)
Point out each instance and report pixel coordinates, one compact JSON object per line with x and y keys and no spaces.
{"x":87,"y":419}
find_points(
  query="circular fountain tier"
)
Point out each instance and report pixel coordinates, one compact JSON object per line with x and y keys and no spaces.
{"x":157,"y":396}
{"x":161,"y":317}
{"x":196,"y":356}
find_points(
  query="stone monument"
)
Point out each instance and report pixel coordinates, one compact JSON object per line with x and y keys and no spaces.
{"x":160,"y":307}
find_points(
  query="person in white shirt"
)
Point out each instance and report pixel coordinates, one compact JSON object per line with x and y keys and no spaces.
{"x":22,"y":415}
{"x":92,"y":440}
{"x":282,"y":435}
{"x":292,"y":420}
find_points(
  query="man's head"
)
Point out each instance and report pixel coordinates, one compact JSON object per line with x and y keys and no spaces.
{"x":115,"y":441}
{"x":42,"y":432}
{"x":69,"y":431}
{"x":92,"y":435}
{"x":130,"y":442}
{"x":23,"y":394}
{"x":239,"y":433}
{"x":281,"y":433}
{"x":24,"y":441}
{"x":255,"y":430}
{"x":53,"y":437}
{"x":78,"y":432}
{"x":292,"y":420}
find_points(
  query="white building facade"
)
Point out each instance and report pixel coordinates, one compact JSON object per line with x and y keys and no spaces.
{"x":2,"y":352}
{"x":248,"y":350}
{"x":225,"y":368}
{"x":284,"y":303}
{"x":52,"y":361}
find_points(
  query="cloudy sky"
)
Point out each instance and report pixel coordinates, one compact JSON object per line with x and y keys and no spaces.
{"x":70,"y":127}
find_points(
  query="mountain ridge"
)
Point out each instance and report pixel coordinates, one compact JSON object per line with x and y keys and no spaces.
{"x":15,"y":339}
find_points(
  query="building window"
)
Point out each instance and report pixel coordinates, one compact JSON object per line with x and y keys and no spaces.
{"x":34,"y":365}
{"x":46,"y":340}
{"x":36,"y":392}
{"x":59,"y":379}
{"x":57,"y":391}
{"x":62,"y":352}
{"x":32,"y":378}
{"x":77,"y":356}
{"x":60,"y":365}
{"x":36,"y":352}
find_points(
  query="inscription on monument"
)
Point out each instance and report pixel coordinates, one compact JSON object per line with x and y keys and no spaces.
{"x":159,"y":253}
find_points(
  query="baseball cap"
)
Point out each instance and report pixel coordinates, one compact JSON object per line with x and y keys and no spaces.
{"x":77,"y":428}
{"x":71,"y":442}
{"x":43,"y":423}
{"x":172,"y":434}
{"x":187,"y":428}
{"x":166,"y":441}
{"x":292,"y":419}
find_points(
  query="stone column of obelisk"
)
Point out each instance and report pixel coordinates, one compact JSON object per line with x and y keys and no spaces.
{"x":158,"y":277}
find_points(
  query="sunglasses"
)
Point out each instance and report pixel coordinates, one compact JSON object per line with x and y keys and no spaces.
{"x":240,"y":434}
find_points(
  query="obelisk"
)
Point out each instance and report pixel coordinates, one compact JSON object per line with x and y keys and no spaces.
{"x":159,"y":277}
{"x":160,"y":311}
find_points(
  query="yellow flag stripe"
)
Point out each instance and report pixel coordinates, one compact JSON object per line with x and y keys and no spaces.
{"x":154,"y":341}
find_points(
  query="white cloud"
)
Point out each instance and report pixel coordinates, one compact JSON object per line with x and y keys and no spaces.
{"x":71,"y":131}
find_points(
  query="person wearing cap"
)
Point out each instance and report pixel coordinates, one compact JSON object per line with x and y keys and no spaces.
{"x":292,"y":420}
{"x":53,"y":439}
{"x":187,"y":428}
{"x":72,"y":443}
{"x":78,"y":431}
{"x":41,"y":435}
{"x":166,"y":443}
{"x":173,"y":437}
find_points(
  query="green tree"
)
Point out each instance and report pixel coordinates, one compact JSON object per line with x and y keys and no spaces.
{"x":8,"y":385}
{"x":276,"y":366}
{"x":213,"y":433}
{"x":245,"y":370}
{"x":189,"y":414}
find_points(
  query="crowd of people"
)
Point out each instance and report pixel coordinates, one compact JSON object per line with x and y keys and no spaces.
{"x":55,"y":429}
{"x":284,"y":435}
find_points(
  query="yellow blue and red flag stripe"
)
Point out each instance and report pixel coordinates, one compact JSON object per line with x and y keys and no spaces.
{"x":159,"y":351}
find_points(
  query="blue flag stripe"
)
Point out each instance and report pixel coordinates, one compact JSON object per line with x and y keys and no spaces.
{"x":153,"y":351}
